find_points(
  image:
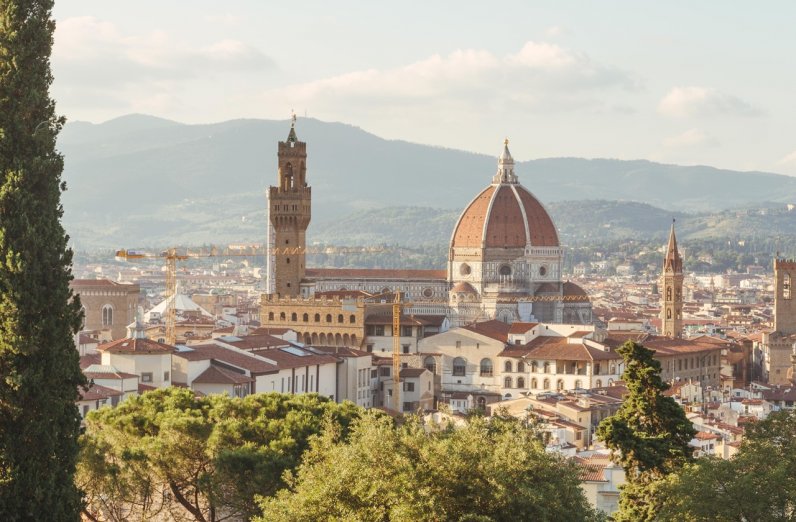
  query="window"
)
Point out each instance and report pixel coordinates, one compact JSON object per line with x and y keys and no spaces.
{"x":294,"y":317}
{"x":317,"y":318}
{"x":328,"y":318}
{"x":546,"y":384}
{"x":378,"y":330}
{"x":598,"y":383}
{"x":385,"y":371}
{"x":370,"y":348}
{"x":146,"y":377}
{"x":405,"y":348}
{"x":578,"y":384}
{"x":282,"y":316}
{"x":534,"y":367}
{"x":408,"y":406}
{"x":486,"y":368}
{"x":430,"y":364}
{"x":505,"y":270}
{"x":547,"y":367}
{"x":458,"y":344}
{"x":520,"y":382}
{"x":507,"y":366}
{"x":507,"y":382}
{"x":85,"y":409}
{"x":459,"y":367}
{"x":305,"y":318}
{"x":409,"y":386}
{"x":534,"y":384}
{"x":352,"y":319}
{"x":107,"y":315}
{"x":270,"y":316}
{"x":406,"y":331}
{"x":165,"y":376}
{"x":560,"y":384}
{"x":520,"y":367}
{"x":786,"y":287}
{"x":340,"y":318}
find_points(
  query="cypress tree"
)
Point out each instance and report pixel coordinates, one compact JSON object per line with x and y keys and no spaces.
{"x":39,"y":370}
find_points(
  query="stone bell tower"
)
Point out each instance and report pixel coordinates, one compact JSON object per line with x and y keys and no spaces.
{"x":672,"y":290}
{"x":289,"y":209}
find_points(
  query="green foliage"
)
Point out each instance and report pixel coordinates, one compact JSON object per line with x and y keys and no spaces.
{"x":39,"y":422}
{"x":206,"y":458}
{"x":482,"y":472}
{"x":759,"y":483}
{"x":649,"y":435}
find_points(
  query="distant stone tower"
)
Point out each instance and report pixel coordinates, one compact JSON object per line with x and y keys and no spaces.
{"x":289,"y":206}
{"x":672,"y":290}
{"x":784,"y":302}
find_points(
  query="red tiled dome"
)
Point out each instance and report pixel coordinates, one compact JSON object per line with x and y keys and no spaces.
{"x":504,"y":215}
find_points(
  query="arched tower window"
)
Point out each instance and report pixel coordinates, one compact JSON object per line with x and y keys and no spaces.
{"x":107,"y":315}
{"x":520,"y":382}
{"x":520,"y":367}
{"x":507,"y":366}
{"x":305,"y":318}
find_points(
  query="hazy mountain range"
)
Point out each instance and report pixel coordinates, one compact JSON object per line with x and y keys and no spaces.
{"x":144,"y":181}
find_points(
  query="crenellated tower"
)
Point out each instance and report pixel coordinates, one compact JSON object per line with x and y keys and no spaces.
{"x":289,"y":212}
{"x":672,"y":290}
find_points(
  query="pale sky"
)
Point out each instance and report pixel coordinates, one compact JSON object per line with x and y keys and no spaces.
{"x":683,"y":82}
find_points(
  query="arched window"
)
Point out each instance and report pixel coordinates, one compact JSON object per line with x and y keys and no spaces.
{"x":546,"y":384}
{"x":481,"y":402}
{"x":505,"y":270}
{"x":507,"y":382}
{"x":459,"y":367}
{"x":520,"y":382}
{"x":534,"y":367}
{"x":340,"y":318}
{"x":613,"y":369}
{"x":270,"y":316}
{"x":668,"y":293}
{"x":578,"y":384}
{"x":328,"y":318}
{"x":486,"y":368}
{"x":560,"y":384}
{"x":610,"y":382}
{"x":534,"y":384}
{"x":520,"y":367}
{"x":547,"y":367}
{"x":598,"y":383}
{"x":282,"y":316}
{"x":294,"y":316}
{"x":668,"y":313}
{"x":107,"y":315}
{"x":507,"y":366}
{"x":305,"y":318}
{"x":317,"y":318}
{"x":430,"y":364}
{"x":352,"y":319}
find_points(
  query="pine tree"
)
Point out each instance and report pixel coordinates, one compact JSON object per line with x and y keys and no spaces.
{"x":39,"y":371}
{"x":649,"y":434}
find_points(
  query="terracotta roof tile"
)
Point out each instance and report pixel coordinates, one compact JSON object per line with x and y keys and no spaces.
{"x":375,"y":273}
{"x":136,"y":346}
{"x":215,"y":375}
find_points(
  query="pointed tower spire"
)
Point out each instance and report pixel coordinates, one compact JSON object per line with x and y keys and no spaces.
{"x":505,"y":172}
{"x":291,"y":136}
{"x":673,"y":259}
{"x":672,"y":296}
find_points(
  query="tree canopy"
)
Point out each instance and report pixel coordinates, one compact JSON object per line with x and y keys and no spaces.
{"x":486,"y":471}
{"x":758,"y":483}
{"x":39,"y":421}
{"x":168,"y":452}
{"x":649,"y":435}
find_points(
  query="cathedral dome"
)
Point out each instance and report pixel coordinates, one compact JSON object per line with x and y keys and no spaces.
{"x":505,"y":215}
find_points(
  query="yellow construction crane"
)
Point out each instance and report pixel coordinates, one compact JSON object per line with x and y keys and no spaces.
{"x":396,"y":352}
{"x":172,"y":255}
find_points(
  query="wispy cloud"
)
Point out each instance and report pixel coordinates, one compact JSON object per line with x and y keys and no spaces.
{"x":690,"y":138}
{"x":693,"y":101}
{"x":540,"y":76}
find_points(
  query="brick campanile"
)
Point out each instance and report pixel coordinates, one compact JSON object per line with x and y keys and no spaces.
{"x":672,"y":290}
{"x":289,"y":210}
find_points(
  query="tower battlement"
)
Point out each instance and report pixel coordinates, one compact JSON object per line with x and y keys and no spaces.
{"x":784,"y":264}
